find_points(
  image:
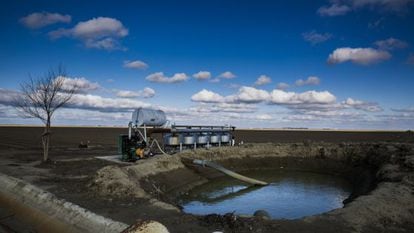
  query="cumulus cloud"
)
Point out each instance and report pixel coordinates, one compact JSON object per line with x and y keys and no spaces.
{"x":82,"y":85}
{"x":224,"y":107}
{"x":310,"y":81}
{"x":159,"y":77}
{"x":84,"y":101}
{"x":249,"y":95}
{"x":362,"y":105}
{"x":342,"y":7}
{"x":137,"y":64}
{"x":315,"y":38}
{"x":227,"y":75}
{"x":334,"y":10}
{"x":308,"y":97}
{"x":145,"y":93}
{"x":263,"y":80}
{"x":282,"y":86}
{"x":387,"y":5}
{"x":99,"y":33}
{"x":361,"y":56}
{"x":8,"y":97}
{"x":391,"y":44}
{"x":99,"y":103}
{"x":202,"y":75}
{"x":207,"y":96}
{"x":42,"y":19}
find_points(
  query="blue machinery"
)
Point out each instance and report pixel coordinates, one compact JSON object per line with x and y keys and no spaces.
{"x":132,"y":146}
{"x":191,"y":137}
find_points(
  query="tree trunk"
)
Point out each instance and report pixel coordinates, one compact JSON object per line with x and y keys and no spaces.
{"x":46,"y":141}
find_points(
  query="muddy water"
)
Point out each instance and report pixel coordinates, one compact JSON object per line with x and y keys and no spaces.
{"x":290,"y":195}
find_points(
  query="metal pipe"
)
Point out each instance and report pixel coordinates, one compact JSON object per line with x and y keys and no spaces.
{"x":145,"y":133}
{"x":228,"y":172}
{"x":129,"y":130}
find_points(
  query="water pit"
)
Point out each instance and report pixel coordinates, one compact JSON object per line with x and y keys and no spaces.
{"x":289,"y":195}
{"x":306,"y":180}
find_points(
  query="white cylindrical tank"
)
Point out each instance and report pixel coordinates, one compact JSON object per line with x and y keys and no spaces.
{"x":225,"y":138}
{"x":214,"y":139}
{"x":188,"y":140}
{"x":172,"y":141}
{"x":148,"y":117}
{"x":202,"y":139}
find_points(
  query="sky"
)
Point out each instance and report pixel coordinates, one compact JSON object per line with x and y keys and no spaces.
{"x":339,"y":64}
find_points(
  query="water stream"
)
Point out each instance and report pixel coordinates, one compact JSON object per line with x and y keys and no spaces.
{"x":290,"y":194}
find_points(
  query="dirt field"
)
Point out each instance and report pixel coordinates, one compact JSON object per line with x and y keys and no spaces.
{"x":29,"y":137}
{"x":74,"y":175}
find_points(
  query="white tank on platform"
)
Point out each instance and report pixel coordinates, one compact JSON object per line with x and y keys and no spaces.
{"x":148,"y":117}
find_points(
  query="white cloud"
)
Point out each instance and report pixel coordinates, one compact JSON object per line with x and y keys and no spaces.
{"x":264,"y":117}
{"x":249,"y":95}
{"x":362,"y":56}
{"x":146,"y":93}
{"x":282,"y":86}
{"x":84,"y":101}
{"x":214,"y":80}
{"x":127,"y":94}
{"x":263,"y":80}
{"x":334,"y":10}
{"x":315,"y":38}
{"x":8,"y":97}
{"x":100,"y":33}
{"x":99,"y":103}
{"x":137,"y":64}
{"x":387,"y":5}
{"x":207,"y":96}
{"x":224,"y":107}
{"x":311,"y":80}
{"x":391,"y":44}
{"x":227,"y":75}
{"x":41,"y":19}
{"x":105,"y":44}
{"x":342,"y":7}
{"x":202,"y":75}
{"x":159,"y":77}
{"x":362,"y":105}
{"x":308,"y":97}
{"x":81,"y":84}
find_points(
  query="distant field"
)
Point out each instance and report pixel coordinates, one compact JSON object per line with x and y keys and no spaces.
{"x":29,"y":137}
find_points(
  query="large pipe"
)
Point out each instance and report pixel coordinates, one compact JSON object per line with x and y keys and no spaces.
{"x":129,"y":130}
{"x":228,"y":172}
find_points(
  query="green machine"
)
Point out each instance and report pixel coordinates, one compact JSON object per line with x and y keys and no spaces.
{"x":130,"y":149}
{"x":131,"y":146}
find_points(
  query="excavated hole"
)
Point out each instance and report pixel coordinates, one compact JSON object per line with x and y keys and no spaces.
{"x":298,"y":187}
{"x":290,"y":194}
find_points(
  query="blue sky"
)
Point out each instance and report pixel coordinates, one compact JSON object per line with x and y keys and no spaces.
{"x":346,"y":64}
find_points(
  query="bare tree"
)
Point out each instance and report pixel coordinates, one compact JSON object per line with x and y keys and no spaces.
{"x":41,"y":97}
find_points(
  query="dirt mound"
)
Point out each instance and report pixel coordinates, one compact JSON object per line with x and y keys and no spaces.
{"x":125,"y":181}
{"x":115,"y":181}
